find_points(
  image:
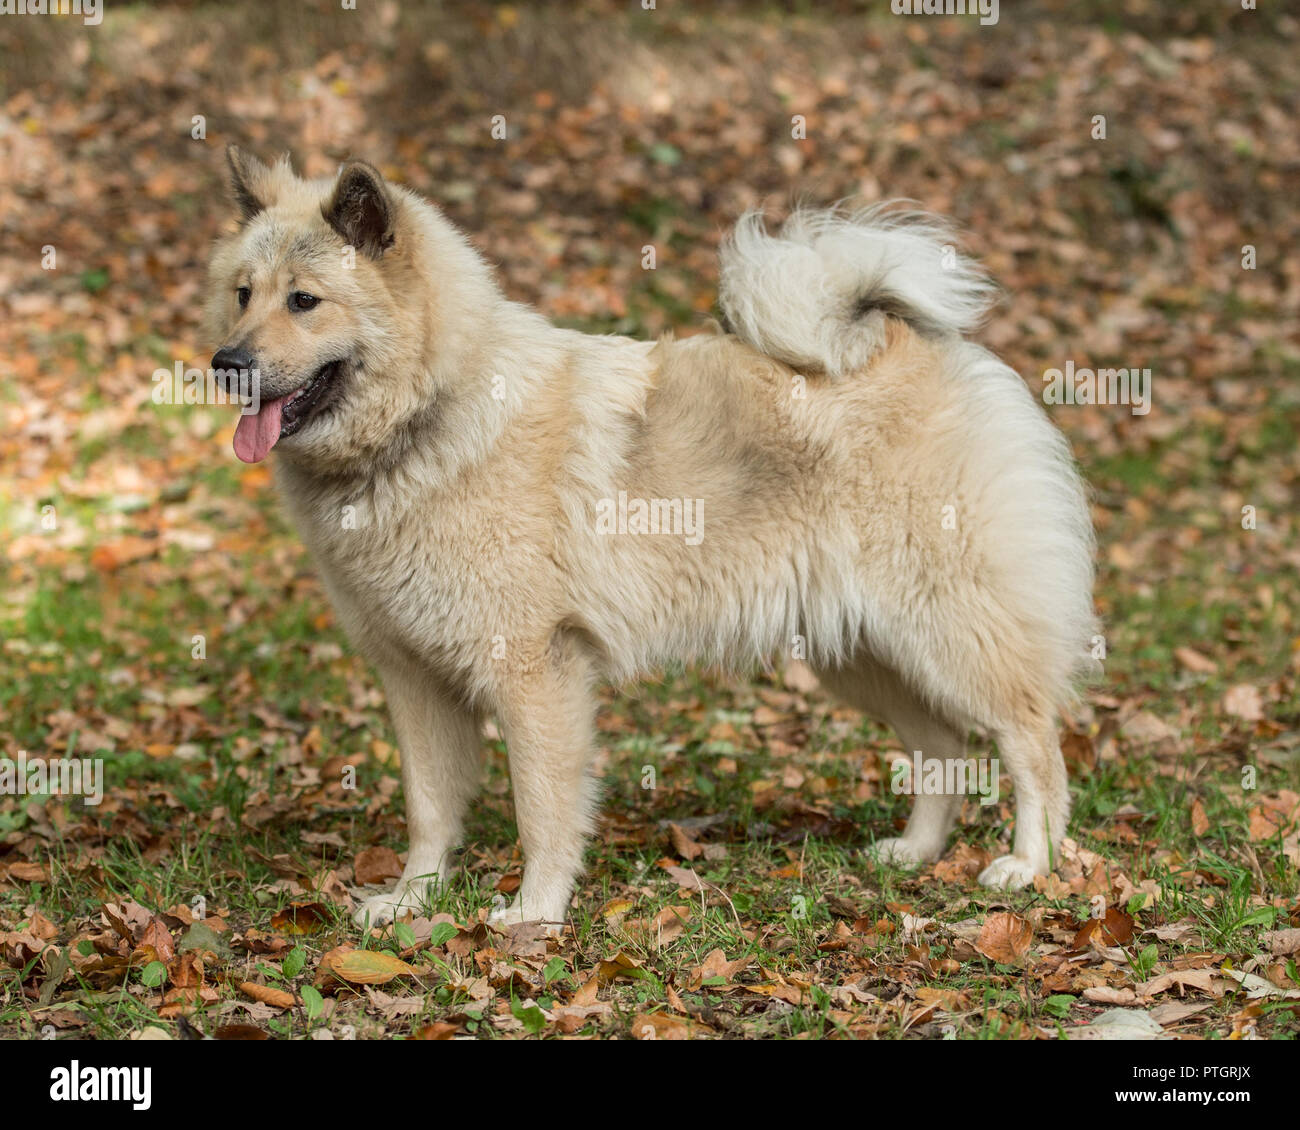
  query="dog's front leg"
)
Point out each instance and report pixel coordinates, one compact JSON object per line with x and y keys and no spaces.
{"x":548,"y":716}
{"x":441,"y":772}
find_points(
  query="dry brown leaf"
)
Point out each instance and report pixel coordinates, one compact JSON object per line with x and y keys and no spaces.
{"x":663,"y":928}
{"x":1282,"y":942}
{"x":716,"y":966}
{"x":1004,"y":937}
{"x":1203,"y":980}
{"x":1194,"y":661}
{"x":1243,"y":701}
{"x":376,"y":865}
{"x":1144,"y":728}
{"x":1172,"y":1012}
{"x":791,"y":994}
{"x":661,"y":1026}
{"x":1105,"y":994}
{"x":685,"y":878}
{"x":301,"y":918}
{"x":1200,"y":822}
{"x":276,"y":998}
{"x":157,"y":936}
{"x":683,"y":845}
{"x":587,"y":992}
{"x":1078,"y":751}
{"x":1266,"y":822}
{"x":622,"y":964}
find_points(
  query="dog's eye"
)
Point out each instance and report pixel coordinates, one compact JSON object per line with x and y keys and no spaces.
{"x":243,"y":294}
{"x":300,"y":301}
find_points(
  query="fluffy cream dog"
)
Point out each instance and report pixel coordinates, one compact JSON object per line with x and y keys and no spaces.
{"x":505,"y":513}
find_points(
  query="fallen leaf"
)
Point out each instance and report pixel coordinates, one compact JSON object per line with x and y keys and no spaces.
{"x":1120,"y":1024}
{"x":1243,"y":701}
{"x":683,"y":845}
{"x":1202,"y":979}
{"x":376,"y":865}
{"x":1145,"y":728}
{"x":1200,"y":822}
{"x":661,"y":1026}
{"x":1105,"y":994}
{"x":791,"y":994}
{"x":1171,"y":1012}
{"x":1004,"y":938}
{"x":276,"y":998}
{"x":716,"y":967}
{"x":1282,"y":942}
{"x":621,"y":964}
{"x":157,"y":935}
{"x":1193,"y":660}
{"x":1256,"y":987}
{"x":369,"y":967}
{"x":663,"y":928}
{"x":301,"y":918}
{"x":685,"y":878}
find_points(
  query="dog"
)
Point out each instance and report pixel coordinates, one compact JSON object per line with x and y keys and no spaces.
{"x":504,"y":513}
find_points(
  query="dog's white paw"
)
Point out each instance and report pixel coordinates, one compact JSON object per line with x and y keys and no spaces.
{"x":898,"y":851}
{"x":383,"y":908}
{"x":1008,"y":873}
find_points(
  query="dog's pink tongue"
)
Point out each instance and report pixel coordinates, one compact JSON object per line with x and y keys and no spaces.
{"x":256,"y":434}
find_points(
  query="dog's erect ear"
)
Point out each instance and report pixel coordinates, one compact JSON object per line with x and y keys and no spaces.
{"x":249,"y":182}
{"x":361,"y":210}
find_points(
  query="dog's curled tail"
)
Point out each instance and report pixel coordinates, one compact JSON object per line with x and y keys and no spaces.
{"x":817,"y":294}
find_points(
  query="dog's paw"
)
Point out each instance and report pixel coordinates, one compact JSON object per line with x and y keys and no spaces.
{"x":1008,"y":873}
{"x":384,"y":908}
{"x":899,"y":852}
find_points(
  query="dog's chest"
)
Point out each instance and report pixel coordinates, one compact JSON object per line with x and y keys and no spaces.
{"x":438,"y":578}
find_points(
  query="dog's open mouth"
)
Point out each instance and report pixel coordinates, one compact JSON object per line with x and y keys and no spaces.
{"x":259,"y":431}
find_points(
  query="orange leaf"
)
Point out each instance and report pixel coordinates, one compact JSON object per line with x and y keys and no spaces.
{"x":1004,"y":938}
{"x":276,"y":998}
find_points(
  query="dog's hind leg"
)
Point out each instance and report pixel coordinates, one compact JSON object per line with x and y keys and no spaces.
{"x":878,"y":691}
{"x":1037,"y":768}
{"x":441,"y":771}
{"x":548,"y":715}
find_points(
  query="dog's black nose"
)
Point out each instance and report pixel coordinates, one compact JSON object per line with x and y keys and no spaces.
{"x":233,"y":357}
{"x":232,"y":367}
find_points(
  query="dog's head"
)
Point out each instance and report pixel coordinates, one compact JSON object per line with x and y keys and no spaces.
{"x":320,"y":309}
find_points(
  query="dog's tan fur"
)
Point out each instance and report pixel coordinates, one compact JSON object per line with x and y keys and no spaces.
{"x":898,"y":506}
